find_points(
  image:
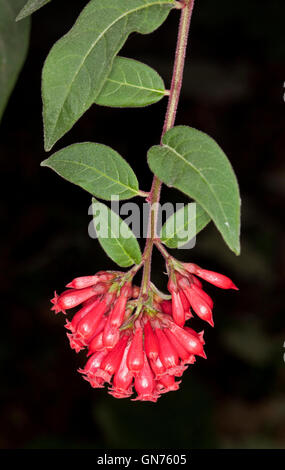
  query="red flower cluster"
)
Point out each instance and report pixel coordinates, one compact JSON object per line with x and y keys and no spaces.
{"x":186,"y":291}
{"x":142,"y":347}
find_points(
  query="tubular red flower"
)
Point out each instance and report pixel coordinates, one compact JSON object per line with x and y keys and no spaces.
{"x":199,"y":335}
{"x":122,"y":382}
{"x":201,"y":308}
{"x":178,"y":312}
{"x":111,"y":361}
{"x":81,"y":313}
{"x":135,"y":359}
{"x":96,"y":344}
{"x":199,"y":305}
{"x":190,"y":342}
{"x":167,"y":353}
{"x":118,"y":312}
{"x":86,"y":281}
{"x":172,"y":286}
{"x":72,"y":298}
{"x":219,"y":280}
{"x":145,"y":383}
{"x":87,"y":326}
{"x":92,"y":365}
{"x":184,"y":300}
{"x":111,"y":334}
{"x":150,"y":342}
{"x":181,"y":351}
{"x":202,"y":294}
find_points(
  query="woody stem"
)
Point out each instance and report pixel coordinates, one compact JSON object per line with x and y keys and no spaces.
{"x":173,"y":100}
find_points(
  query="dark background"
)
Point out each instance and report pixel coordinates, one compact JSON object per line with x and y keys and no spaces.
{"x":233,"y":90}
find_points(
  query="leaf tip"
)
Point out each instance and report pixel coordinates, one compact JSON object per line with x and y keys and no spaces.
{"x":236,"y":248}
{"x":21,"y":15}
{"x":48,"y":146}
{"x":49,"y":141}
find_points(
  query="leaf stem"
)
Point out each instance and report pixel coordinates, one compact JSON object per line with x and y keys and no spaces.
{"x":143,"y":194}
{"x":176,"y":83}
{"x":162,"y":250}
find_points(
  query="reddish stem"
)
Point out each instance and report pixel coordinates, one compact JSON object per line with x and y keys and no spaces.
{"x":173,"y":100}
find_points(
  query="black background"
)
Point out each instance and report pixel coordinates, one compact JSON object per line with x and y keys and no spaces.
{"x":233,"y":90}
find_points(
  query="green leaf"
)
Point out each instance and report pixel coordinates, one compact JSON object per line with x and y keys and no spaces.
{"x":79,"y":63}
{"x":183,"y":225}
{"x":115,"y":236}
{"x":131,"y":84}
{"x":14,"y":42}
{"x":97,"y":168}
{"x":30,"y":7}
{"x":192,"y":162}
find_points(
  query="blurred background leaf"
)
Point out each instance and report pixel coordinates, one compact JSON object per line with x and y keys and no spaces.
{"x":14,"y":42}
{"x":30,"y":7}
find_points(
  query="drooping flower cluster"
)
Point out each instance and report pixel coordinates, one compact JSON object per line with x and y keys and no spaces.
{"x":187,"y":292}
{"x":136,"y":344}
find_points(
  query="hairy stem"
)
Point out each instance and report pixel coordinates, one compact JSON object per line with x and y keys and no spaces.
{"x":176,"y":83}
